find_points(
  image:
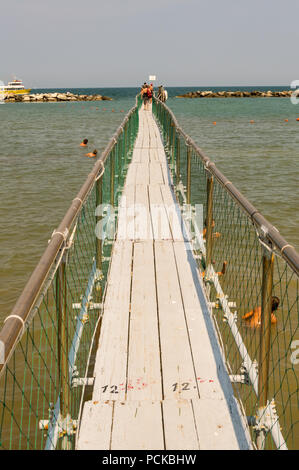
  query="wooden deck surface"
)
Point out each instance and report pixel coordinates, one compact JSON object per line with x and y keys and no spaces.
{"x":160,"y":381}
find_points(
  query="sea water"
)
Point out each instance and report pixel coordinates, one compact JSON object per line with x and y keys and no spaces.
{"x":43,"y":167}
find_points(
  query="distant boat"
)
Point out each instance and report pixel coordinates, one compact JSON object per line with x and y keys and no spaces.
{"x":15,"y":87}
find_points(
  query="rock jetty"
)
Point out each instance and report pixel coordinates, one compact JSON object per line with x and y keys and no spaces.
{"x":237,"y":94}
{"x":52,"y":97}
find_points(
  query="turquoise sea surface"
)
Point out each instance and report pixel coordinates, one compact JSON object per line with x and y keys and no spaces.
{"x":42,"y":166}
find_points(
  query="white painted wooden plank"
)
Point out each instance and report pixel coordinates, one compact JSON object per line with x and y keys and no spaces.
{"x":156,"y":175}
{"x":159,"y":139}
{"x":153,"y":155}
{"x":155,"y":128}
{"x":126,"y":214}
{"x":179,"y":425}
{"x":212,"y":376}
{"x":146,"y":140}
{"x":161,"y":154}
{"x":144,"y":368}
{"x":144,"y":155}
{"x":138,"y":426}
{"x":207,"y":368}
{"x":143,"y":223}
{"x":142,"y":173}
{"x":160,"y":224}
{"x":166,"y":173}
{"x":139,"y":138}
{"x":179,"y":379}
{"x":95,"y":426}
{"x":152,"y":133}
{"x":153,"y":140}
{"x":174,"y":215}
{"x":136,"y":156}
{"x":214,"y":425}
{"x":131,"y":174}
{"x":111,"y":358}
{"x":138,"y":142}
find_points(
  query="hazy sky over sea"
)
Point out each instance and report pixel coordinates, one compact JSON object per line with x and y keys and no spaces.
{"x":75,"y":43}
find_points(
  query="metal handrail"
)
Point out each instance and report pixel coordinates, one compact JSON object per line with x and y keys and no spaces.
{"x":15,"y":323}
{"x":267,"y":231}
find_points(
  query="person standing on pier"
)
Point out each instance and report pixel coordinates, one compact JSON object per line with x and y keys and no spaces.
{"x":150,"y":91}
{"x":162,"y":94}
{"x":144,"y":94}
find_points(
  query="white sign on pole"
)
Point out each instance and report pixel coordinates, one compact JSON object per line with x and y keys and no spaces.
{"x":152,"y":78}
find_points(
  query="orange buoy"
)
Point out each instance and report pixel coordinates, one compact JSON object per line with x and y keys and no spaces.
{"x":214,"y":123}
{"x":286,"y":120}
{"x":252,"y":121}
{"x":297,"y":119}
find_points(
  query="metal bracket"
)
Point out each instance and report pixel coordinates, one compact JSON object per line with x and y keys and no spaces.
{"x":241,"y":378}
{"x":89,"y":306}
{"x":208,"y":280}
{"x":82,"y":381}
{"x":266,"y":417}
{"x":99,"y":276}
{"x":66,"y":426}
{"x":267,"y":421}
{"x":218,"y":305}
{"x":262,"y":233}
{"x":234,"y":315}
{"x":108,"y":242}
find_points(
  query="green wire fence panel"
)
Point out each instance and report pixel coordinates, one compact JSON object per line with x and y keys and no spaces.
{"x":46,"y":342}
{"x":247,"y":269}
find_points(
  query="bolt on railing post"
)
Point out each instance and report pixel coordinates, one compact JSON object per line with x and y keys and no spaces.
{"x":209,"y":223}
{"x":188,"y":195}
{"x":62,"y":345}
{"x":265,"y":340}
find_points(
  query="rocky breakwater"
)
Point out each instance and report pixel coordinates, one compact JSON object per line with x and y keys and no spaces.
{"x":237,"y":94}
{"x":53,"y":97}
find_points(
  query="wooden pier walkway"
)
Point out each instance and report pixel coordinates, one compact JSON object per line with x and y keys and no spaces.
{"x":160,"y":380}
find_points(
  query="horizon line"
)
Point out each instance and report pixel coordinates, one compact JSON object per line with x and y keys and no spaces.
{"x":168,"y":86}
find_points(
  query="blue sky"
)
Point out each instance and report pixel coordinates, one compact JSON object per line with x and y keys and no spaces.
{"x":72,"y":43}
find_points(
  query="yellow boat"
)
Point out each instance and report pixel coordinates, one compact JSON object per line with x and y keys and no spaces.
{"x":15,"y":87}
